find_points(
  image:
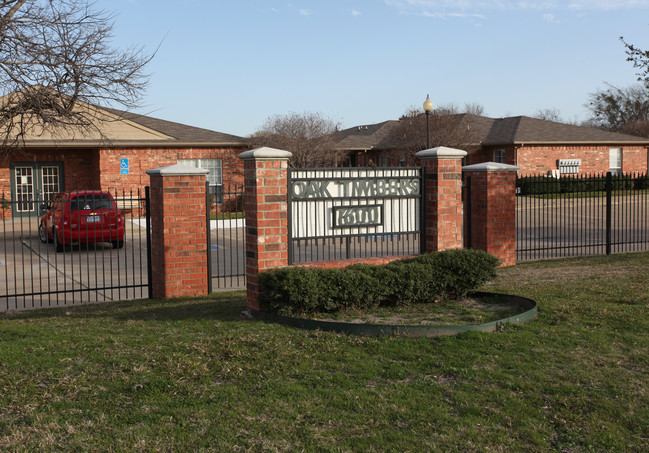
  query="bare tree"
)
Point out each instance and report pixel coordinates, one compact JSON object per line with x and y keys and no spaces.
{"x":307,"y":135}
{"x":550,"y":114}
{"x":56,"y":59}
{"x":447,"y":128}
{"x":473,"y":108}
{"x":614,"y":108}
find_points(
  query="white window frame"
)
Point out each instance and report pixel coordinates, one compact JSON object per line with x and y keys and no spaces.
{"x":615,"y":161}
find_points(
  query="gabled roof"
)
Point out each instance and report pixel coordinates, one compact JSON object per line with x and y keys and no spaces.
{"x":362,"y":138}
{"x":117,"y":128}
{"x":517,"y":130}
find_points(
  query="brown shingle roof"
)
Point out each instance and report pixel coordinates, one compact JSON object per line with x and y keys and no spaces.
{"x":514,"y":130}
{"x":523,"y":129}
{"x":182,"y":132}
{"x":364,"y":137}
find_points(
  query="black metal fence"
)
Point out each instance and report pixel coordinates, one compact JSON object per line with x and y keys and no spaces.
{"x":345,"y":213}
{"x":91,"y":255}
{"x":581,"y":215}
{"x":226,"y":239}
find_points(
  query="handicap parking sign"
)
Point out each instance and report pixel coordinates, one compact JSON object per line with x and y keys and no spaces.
{"x":123,"y":166}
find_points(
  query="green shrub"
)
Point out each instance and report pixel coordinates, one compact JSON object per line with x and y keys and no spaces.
{"x":538,"y":185}
{"x":462,"y":270}
{"x":544,"y":185}
{"x":428,"y":277}
{"x":641,"y":182}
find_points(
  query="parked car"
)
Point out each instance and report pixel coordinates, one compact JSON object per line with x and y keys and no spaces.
{"x":82,"y":217}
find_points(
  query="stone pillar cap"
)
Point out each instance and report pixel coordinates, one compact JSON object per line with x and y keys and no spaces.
{"x":491,"y":167}
{"x":177,"y":170}
{"x":265,"y":153}
{"x":441,"y":152}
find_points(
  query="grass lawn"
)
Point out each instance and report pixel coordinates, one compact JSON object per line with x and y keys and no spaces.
{"x":192,"y":375}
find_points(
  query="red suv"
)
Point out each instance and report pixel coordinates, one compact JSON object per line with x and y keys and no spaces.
{"x":83,"y":216}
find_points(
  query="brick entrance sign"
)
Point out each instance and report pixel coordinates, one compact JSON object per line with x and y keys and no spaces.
{"x":178,"y":231}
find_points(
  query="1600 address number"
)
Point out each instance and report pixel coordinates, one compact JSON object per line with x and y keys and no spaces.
{"x":356,"y":216}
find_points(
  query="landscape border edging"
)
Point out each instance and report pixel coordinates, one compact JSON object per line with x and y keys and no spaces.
{"x":404,"y":330}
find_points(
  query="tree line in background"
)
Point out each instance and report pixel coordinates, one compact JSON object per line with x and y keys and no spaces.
{"x":312,"y":137}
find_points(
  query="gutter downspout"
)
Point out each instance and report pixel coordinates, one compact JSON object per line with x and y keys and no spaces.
{"x":516,"y":148}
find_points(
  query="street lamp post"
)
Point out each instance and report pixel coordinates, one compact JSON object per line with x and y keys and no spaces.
{"x":428,"y":107}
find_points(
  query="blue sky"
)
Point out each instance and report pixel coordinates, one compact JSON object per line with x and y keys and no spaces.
{"x":227,"y":65}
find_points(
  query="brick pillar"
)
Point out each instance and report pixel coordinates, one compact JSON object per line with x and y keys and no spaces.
{"x":443,"y":189}
{"x":265,"y":204}
{"x":178,"y":231}
{"x":493,"y":209}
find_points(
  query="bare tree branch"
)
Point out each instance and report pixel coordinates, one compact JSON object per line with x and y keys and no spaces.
{"x":614,"y":107}
{"x":307,"y":135}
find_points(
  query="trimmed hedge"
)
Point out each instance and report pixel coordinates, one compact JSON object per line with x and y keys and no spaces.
{"x":429,"y":277}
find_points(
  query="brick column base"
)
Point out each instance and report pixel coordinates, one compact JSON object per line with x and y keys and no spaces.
{"x":265,"y":204}
{"x":443,"y":190}
{"x":493,"y":209}
{"x":178,"y":231}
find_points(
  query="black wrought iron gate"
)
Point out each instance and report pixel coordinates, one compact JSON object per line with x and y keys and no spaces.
{"x":38,"y":271}
{"x":579,"y":215}
{"x":226,"y":238}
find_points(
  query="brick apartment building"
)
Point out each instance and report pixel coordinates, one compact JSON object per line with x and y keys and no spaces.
{"x":538,"y":147}
{"x":115,"y":155}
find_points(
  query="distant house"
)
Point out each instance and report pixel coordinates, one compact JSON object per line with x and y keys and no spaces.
{"x":537,"y":146}
{"x":114,"y":155}
{"x":369,"y":144}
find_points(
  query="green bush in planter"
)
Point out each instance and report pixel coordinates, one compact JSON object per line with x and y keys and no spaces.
{"x":460,"y":270}
{"x":428,"y":277}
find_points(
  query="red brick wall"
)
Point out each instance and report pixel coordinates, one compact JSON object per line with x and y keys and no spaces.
{"x":80,"y":166}
{"x":341,"y":264}
{"x":540,"y":159}
{"x":141,"y":160}
{"x":83,"y":168}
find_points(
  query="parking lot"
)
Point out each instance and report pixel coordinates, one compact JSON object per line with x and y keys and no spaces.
{"x":34,"y":275}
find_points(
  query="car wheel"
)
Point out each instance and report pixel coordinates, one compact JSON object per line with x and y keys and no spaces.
{"x":42,"y":235}
{"x":117,"y":244}
{"x":57,"y":245}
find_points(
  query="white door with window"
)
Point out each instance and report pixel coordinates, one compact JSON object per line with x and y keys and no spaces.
{"x":34,"y":183}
